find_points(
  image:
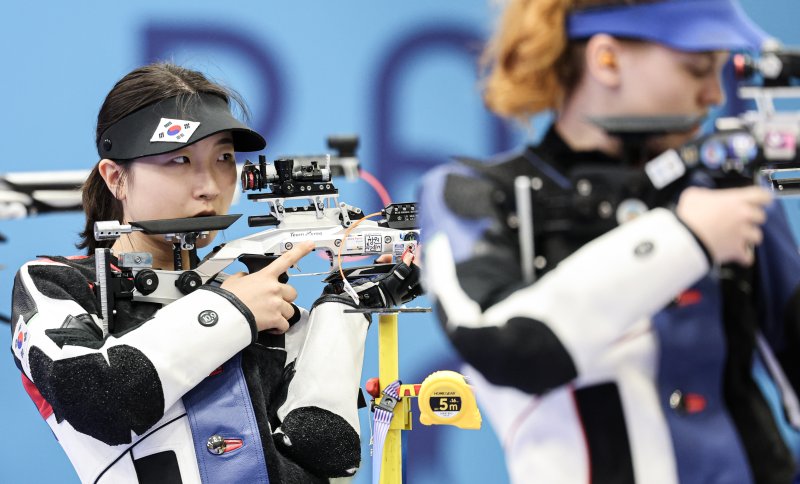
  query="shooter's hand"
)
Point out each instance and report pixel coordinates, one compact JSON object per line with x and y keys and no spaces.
{"x":728,"y":221}
{"x":408,"y":257}
{"x":399,"y":285}
{"x":269,"y":300}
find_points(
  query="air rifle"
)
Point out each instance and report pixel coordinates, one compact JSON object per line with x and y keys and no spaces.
{"x":303,"y":204}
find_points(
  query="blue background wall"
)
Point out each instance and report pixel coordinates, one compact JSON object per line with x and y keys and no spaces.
{"x":400,"y":74}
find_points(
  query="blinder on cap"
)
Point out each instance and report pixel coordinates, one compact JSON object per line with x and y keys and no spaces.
{"x":173,"y":123}
{"x":685,"y":25}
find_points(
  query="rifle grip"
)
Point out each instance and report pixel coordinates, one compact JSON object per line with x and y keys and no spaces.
{"x":256,"y":262}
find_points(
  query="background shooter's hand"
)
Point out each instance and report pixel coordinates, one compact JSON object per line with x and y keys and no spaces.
{"x":728,"y":221}
{"x":268,"y":299}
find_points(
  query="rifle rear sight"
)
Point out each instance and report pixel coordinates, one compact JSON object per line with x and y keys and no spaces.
{"x":777,"y":67}
{"x":285,"y":178}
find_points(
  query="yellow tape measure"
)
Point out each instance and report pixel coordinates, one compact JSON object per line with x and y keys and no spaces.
{"x":445,"y":398}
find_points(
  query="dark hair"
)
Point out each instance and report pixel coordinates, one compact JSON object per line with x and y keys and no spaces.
{"x":139,"y":88}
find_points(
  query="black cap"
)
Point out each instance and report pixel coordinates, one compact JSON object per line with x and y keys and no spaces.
{"x":173,"y":123}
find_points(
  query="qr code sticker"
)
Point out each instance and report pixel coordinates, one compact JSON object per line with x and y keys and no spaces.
{"x":373,"y":243}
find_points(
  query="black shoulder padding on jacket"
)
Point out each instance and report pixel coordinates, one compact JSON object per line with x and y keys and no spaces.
{"x":104,"y":400}
{"x":22,"y":303}
{"x":64,"y":283}
{"x":78,"y":330}
{"x":489,"y":278}
{"x":524,"y":354}
{"x":469,"y":197}
{"x":321,"y":441}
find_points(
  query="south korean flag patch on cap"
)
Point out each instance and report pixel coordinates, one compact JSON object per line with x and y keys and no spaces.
{"x":174,"y":130}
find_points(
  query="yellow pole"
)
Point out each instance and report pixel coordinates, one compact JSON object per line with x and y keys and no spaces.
{"x":392,"y":466}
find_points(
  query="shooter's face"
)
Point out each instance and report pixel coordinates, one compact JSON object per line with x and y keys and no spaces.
{"x":198,"y":179}
{"x":659,"y":81}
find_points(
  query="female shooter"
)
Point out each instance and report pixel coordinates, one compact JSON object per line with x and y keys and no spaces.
{"x":631,"y":357}
{"x":208,"y":388}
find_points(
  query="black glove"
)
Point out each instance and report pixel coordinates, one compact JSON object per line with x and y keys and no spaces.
{"x":398,"y":286}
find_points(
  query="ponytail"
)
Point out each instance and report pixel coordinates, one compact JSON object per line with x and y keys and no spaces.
{"x":521,"y":57}
{"x":529,"y":64}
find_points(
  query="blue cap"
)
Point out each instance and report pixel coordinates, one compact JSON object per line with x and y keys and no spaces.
{"x":686,"y":25}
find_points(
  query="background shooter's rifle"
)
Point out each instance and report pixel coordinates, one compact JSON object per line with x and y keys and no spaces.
{"x":25,"y":194}
{"x":303,"y":204}
{"x":758,"y":146}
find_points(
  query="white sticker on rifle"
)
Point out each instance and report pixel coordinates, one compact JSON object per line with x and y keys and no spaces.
{"x":354,"y":243}
{"x":665,"y":169}
{"x":370,"y":243}
{"x":174,"y":130}
{"x":373,"y":243}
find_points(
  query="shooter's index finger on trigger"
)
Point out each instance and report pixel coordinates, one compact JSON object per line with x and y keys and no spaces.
{"x":289,"y":258}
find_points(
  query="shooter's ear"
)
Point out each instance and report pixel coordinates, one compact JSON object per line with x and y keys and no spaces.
{"x":114,"y":176}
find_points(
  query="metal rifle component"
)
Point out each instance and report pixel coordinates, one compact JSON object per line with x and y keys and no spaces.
{"x":258,"y":250}
{"x":401,"y":215}
{"x":522,"y":191}
{"x":776,"y":133}
{"x":187,"y":225}
{"x":182,"y":233}
{"x":388,"y":310}
{"x":327,"y":233}
{"x":146,"y":281}
{"x":135,"y":278}
{"x":136,"y":260}
{"x":777,"y":66}
{"x":302,"y":205}
{"x":23,"y":194}
{"x":102,"y":266}
{"x":111,"y":230}
{"x":344,"y":163}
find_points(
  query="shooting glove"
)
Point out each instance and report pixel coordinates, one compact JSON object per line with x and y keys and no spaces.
{"x":398,"y":286}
